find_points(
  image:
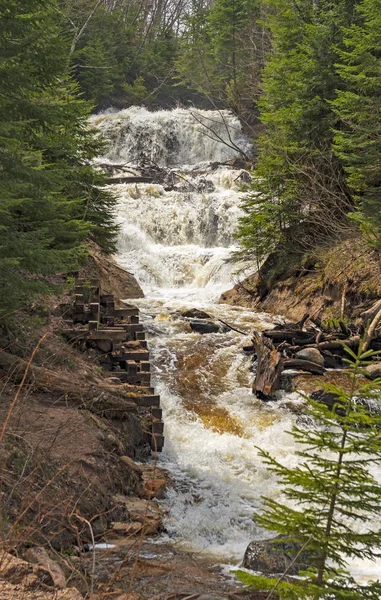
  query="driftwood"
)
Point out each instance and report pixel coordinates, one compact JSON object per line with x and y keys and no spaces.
{"x":304,"y":365}
{"x":278,"y":348}
{"x":284,"y":335}
{"x":269,"y":367}
{"x":98,"y":397}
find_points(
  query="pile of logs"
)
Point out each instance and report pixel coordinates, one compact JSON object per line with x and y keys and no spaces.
{"x":309,"y":349}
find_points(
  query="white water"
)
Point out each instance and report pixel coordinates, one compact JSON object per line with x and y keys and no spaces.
{"x":177,"y":243}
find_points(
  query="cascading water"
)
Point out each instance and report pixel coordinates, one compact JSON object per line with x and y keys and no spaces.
{"x":177,"y":242}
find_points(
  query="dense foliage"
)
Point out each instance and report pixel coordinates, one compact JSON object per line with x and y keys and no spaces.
{"x":51,"y":201}
{"x":318,"y":173}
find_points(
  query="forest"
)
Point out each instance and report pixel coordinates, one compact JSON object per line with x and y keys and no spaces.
{"x":303,"y":78}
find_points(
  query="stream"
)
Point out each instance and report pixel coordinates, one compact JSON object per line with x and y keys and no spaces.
{"x":178,"y":243}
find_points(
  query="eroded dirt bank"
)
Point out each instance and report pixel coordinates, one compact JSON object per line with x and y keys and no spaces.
{"x":343,"y":282}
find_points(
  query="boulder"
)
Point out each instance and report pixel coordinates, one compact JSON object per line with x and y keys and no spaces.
{"x":311,"y":354}
{"x":274,"y":556}
{"x":204,"y":326}
{"x":39,"y":556}
{"x":195,"y":313}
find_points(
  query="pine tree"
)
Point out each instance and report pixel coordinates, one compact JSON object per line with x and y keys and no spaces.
{"x":332,"y":495}
{"x":51,"y":199}
{"x":358,"y":105}
{"x":299,"y":192}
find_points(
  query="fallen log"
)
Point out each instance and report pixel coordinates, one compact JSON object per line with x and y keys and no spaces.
{"x":99,"y":398}
{"x":269,"y":367}
{"x":285,"y":335}
{"x":337,"y":344}
{"x":304,"y":365}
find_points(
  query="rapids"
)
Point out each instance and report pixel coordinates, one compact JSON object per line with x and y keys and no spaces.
{"x":178,"y":244}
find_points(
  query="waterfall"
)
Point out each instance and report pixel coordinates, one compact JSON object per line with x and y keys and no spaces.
{"x":176,"y":137}
{"x":178,"y":241}
{"x":179,"y":238}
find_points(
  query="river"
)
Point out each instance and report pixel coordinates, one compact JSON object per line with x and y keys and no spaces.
{"x":178,"y":243}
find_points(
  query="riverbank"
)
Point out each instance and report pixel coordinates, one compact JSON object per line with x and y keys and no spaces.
{"x":72,"y":474}
{"x":342,"y":282}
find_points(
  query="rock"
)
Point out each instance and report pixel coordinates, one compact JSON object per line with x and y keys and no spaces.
{"x":131,"y":528}
{"x":113,"y":380}
{"x":248,"y":350}
{"x":104,"y":345}
{"x":204,"y":326}
{"x":373,"y":371}
{"x":195,"y":313}
{"x":100,"y":525}
{"x":275,"y":556}
{"x":149,"y":516}
{"x":311,"y":354}
{"x":21,"y":573}
{"x":155,"y":488}
{"x":204,"y":186}
{"x":39,"y":556}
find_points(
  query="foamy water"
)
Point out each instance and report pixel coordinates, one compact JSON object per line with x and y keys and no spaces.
{"x":178,"y":244}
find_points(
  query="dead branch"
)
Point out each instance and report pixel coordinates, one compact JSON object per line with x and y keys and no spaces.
{"x":98,"y":397}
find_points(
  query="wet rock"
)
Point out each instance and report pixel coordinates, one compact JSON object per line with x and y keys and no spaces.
{"x":311,"y":354}
{"x":275,"y":556}
{"x":155,"y":488}
{"x":249,"y":350}
{"x":39,"y":556}
{"x":327,"y":398}
{"x":373,"y":371}
{"x":148,"y":514}
{"x":203,"y":185}
{"x":204,"y":326}
{"x":195,"y":313}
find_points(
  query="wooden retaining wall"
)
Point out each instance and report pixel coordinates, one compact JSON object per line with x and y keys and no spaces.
{"x":120,"y":337}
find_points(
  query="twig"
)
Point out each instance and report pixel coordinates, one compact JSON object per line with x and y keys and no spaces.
{"x":82,"y":519}
{"x":233,"y":328}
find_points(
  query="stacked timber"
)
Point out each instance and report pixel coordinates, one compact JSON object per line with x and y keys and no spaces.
{"x":119,"y":337}
{"x":300,"y":348}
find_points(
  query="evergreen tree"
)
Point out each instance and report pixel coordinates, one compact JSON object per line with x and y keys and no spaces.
{"x":332,"y":494}
{"x":358,"y":105}
{"x":50,"y":195}
{"x":299,"y":195}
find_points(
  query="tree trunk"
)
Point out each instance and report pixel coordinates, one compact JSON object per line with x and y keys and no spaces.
{"x":269,"y":368}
